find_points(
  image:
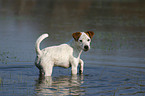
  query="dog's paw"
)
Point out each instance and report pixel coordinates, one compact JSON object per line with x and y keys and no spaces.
{"x":80,"y":72}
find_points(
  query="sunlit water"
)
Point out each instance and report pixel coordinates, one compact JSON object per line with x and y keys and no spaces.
{"x":115,"y":65}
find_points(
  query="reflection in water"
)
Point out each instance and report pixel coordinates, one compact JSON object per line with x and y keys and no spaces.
{"x":63,"y":85}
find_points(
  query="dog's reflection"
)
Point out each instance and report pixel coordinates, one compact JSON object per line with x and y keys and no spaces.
{"x":63,"y":85}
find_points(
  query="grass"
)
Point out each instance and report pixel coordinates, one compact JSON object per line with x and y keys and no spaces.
{"x":1,"y":82}
{"x":5,"y":57}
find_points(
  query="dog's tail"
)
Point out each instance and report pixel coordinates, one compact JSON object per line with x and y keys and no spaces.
{"x":37,"y":44}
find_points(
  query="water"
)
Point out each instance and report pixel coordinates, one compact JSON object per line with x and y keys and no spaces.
{"x":115,"y":65}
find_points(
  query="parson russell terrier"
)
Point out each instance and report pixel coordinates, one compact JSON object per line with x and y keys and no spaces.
{"x":65,"y":55}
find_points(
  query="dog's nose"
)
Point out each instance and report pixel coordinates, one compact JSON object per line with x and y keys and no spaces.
{"x":86,"y":47}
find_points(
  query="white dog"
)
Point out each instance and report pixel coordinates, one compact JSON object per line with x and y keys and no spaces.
{"x":65,"y":55}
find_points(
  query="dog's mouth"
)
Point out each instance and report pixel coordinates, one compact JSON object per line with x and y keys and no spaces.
{"x":86,"y":50}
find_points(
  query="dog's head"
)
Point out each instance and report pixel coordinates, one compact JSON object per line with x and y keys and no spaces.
{"x":83,"y":39}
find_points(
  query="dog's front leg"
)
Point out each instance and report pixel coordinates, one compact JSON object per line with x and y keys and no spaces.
{"x":81,"y":62}
{"x":74,"y":69}
{"x":74,"y":65}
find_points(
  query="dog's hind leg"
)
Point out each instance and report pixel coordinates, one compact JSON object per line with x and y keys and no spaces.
{"x":41,"y":72}
{"x":48,"y":69}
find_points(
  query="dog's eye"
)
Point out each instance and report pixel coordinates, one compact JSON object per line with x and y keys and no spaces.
{"x":80,"y":40}
{"x":88,"y":39}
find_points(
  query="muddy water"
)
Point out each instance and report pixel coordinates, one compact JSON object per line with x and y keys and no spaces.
{"x":115,"y":65}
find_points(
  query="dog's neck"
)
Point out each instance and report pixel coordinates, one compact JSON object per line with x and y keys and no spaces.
{"x":76,"y":48}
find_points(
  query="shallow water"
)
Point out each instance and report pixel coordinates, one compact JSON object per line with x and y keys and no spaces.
{"x":115,"y":65}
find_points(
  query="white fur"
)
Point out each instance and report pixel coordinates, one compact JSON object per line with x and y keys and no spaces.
{"x":64,"y":55}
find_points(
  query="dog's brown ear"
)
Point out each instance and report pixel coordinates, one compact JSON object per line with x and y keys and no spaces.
{"x":76,"y":35}
{"x":90,"y":34}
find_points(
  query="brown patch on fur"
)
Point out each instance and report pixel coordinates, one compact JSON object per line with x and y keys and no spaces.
{"x":90,"y":34}
{"x":76,"y":35}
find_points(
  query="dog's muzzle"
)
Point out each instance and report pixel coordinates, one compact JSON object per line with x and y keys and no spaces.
{"x":86,"y":48}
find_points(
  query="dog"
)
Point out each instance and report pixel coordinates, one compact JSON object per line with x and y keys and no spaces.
{"x":65,"y":55}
